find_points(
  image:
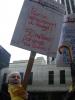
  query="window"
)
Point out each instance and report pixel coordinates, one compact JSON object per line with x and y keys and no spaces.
{"x":68,"y":6}
{"x":51,"y":77}
{"x":62,"y":1}
{"x":73,"y":6}
{"x":4,"y":77}
{"x":62,"y":76}
{"x":21,"y":74}
{"x":30,"y":78}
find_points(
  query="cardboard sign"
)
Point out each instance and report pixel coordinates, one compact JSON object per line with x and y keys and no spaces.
{"x":38,"y":27}
{"x":67,"y":38}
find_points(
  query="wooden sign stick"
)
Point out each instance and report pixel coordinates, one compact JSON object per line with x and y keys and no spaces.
{"x":28,"y":69}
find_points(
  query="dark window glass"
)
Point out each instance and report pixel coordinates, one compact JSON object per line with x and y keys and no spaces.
{"x":62,"y":1}
{"x":51,"y":77}
{"x":73,"y":6}
{"x":68,"y":7}
{"x":21,"y":74}
{"x":62,"y":76}
{"x":4,"y":78}
{"x":30,"y":78}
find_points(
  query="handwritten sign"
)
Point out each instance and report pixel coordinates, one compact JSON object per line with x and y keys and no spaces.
{"x":38,"y":27}
{"x":67,"y":38}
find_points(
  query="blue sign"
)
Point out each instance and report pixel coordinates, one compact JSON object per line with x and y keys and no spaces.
{"x":4,"y":58}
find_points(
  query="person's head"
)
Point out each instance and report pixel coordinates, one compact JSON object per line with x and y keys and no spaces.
{"x":14,"y":78}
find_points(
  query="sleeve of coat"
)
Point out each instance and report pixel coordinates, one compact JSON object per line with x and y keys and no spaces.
{"x":17,"y":92}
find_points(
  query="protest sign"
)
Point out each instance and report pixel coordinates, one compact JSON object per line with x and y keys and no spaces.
{"x":38,"y":30}
{"x":67,"y":38}
{"x":38,"y":27}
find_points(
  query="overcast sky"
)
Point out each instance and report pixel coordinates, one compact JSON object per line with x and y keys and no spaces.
{"x":9,"y":12}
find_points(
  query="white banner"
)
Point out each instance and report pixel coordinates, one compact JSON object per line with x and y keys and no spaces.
{"x":38,"y":27}
{"x":67,"y":38}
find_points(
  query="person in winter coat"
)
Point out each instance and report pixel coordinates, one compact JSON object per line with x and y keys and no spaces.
{"x":15,"y":88}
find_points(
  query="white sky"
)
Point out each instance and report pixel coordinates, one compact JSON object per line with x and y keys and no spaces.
{"x":9,"y":12}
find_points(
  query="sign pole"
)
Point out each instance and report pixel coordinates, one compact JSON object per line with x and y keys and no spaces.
{"x":28,"y":69}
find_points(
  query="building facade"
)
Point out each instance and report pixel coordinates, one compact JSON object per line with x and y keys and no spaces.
{"x":4,"y":60}
{"x":69,"y":6}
